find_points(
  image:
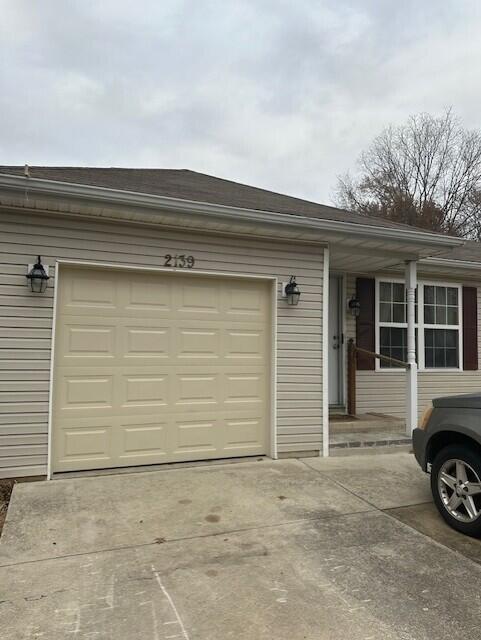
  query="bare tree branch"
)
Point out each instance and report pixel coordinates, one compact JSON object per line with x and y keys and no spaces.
{"x":426,"y":172}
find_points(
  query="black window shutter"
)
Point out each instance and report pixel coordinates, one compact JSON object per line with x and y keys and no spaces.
{"x":470,"y":328}
{"x":365,"y":322}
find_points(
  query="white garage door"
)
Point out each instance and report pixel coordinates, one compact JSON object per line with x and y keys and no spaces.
{"x":153,"y":368}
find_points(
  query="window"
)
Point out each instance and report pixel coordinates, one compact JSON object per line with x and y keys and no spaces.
{"x":393,"y":322}
{"x":441,"y":327}
{"x":392,"y":296}
{"x":441,"y":348}
{"x":438,"y":330}
{"x":393,"y":343}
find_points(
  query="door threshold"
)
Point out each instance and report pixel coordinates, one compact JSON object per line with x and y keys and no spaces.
{"x":337,"y":409}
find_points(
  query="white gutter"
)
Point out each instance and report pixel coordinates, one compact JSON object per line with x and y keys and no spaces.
{"x":449,"y":262}
{"x":132,"y":198}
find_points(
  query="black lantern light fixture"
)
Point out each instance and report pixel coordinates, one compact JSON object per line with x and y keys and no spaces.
{"x":292,"y":292}
{"x":37,"y":277}
{"x":354,"y":306}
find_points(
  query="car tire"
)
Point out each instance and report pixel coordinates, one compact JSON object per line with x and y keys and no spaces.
{"x":459,"y":502}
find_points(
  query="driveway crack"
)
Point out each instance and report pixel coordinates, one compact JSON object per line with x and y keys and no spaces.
{"x":186,"y":538}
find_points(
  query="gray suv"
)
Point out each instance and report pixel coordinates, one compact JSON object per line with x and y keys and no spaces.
{"x":447,"y":444}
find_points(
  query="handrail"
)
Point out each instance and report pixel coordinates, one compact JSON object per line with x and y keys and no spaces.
{"x":352,"y":350}
{"x":379,"y":356}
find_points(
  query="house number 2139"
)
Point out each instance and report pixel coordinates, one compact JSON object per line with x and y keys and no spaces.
{"x":181,"y":261}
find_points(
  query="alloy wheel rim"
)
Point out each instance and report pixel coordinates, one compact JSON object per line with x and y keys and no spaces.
{"x":459,"y":488}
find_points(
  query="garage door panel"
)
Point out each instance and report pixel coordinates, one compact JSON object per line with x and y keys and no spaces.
{"x":88,"y":292}
{"x":85,"y":392}
{"x":200,"y":297}
{"x":148,"y":294}
{"x":242,"y":433}
{"x":95,"y":293}
{"x":84,"y":443}
{"x":91,"y":442}
{"x":245,"y":344}
{"x":145,"y":391}
{"x":86,"y":342}
{"x":242,"y":389}
{"x":194,"y":437}
{"x":178,"y":372}
{"x":193,"y":391}
{"x":83,"y":341}
{"x":245,"y":302}
{"x":143,"y":441}
{"x":198,"y":344}
{"x":145,"y":342}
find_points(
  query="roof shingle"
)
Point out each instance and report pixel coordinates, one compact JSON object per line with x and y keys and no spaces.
{"x":199,"y":187}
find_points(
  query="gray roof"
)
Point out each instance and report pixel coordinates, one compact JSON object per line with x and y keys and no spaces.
{"x":199,"y":187}
{"x":470,"y":252}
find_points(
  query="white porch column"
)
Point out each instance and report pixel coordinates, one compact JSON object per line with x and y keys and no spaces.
{"x":412,"y":372}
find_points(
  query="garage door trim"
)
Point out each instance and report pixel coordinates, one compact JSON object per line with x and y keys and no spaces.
{"x":171,"y":271}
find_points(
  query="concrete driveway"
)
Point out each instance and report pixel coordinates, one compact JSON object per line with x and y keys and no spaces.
{"x":313,"y":549}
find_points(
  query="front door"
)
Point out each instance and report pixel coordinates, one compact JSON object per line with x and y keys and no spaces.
{"x":335,"y":341}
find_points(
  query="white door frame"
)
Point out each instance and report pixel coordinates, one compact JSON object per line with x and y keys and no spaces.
{"x":273,"y":280}
{"x":344,"y":309}
{"x":342,"y":383}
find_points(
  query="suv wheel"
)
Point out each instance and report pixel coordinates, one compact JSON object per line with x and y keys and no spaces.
{"x":456,"y":488}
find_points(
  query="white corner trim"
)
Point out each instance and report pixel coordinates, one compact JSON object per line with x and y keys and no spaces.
{"x":273,"y":364}
{"x":52,"y":369}
{"x":325,"y":355}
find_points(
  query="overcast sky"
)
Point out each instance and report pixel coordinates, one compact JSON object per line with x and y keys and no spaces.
{"x":275,"y":93}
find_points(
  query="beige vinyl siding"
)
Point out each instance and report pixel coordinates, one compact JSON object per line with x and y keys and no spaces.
{"x":384,"y":392}
{"x":26,"y":319}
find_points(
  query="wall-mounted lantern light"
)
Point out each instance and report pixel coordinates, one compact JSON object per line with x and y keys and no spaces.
{"x":354,"y":306}
{"x":291,"y":291}
{"x":38,"y":277}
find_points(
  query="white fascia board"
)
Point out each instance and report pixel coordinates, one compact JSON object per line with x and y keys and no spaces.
{"x":132,"y":198}
{"x":452,"y":264}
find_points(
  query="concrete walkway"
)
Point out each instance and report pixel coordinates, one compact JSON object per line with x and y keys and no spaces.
{"x":313,"y":549}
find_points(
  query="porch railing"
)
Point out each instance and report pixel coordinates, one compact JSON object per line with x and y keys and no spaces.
{"x":352,"y":351}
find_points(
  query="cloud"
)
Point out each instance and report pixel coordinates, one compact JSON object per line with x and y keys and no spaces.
{"x":279,"y":94}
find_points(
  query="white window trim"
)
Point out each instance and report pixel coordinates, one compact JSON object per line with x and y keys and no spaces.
{"x":420,"y":326}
